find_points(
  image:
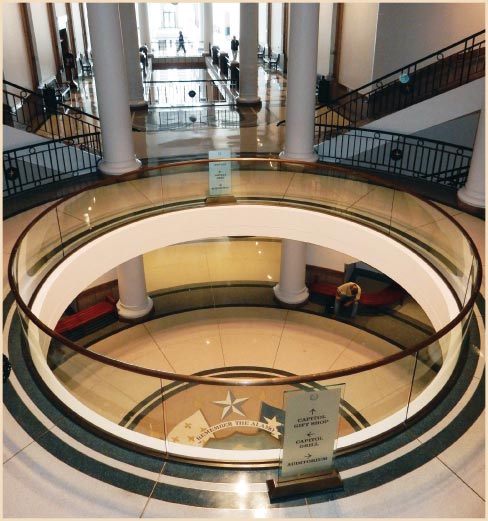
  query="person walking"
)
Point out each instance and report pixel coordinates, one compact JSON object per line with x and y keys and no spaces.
{"x":234,"y":46}
{"x":181,"y":43}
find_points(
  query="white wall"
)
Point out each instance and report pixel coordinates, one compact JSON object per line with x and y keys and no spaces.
{"x":263,"y":24}
{"x":410,"y":31}
{"x":277,"y":28}
{"x":327,"y":258}
{"x":447,"y":106}
{"x":460,"y":131}
{"x":15,"y":56}
{"x":325,"y":44}
{"x":357,"y":44}
{"x":16,"y":138}
{"x":43,"y":43}
{"x":77,"y":30}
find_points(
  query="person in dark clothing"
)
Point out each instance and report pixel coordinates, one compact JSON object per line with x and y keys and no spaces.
{"x":181,"y":43}
{"x":234,"y":46}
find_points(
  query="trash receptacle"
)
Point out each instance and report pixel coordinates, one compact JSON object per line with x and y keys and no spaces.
{"x":50,"y":100}
{"x":234,"y":74}
{"x":324,"y":90}
{"x":215,"y":54}
{"x":224,"y":63}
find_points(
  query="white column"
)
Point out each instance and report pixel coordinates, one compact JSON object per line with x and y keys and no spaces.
{"x":207,"y":28}
{"x":112,"y":90}
{"x":133,"y":300}
{"x":248,"y":55}
{"x":472,"y":194}
{"x":291,"y":288}
{"x":302,"y":74}
{"x":128,"y":25}
{"x":144,"y":31}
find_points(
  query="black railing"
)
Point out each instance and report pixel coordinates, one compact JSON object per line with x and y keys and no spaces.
{"x":33,"y":112}
{"x":438,"y":72}
{"x":398,"y":154}
{"x":189,"y":93}
{"x":34,"y":166}
{"x":190,"y":119}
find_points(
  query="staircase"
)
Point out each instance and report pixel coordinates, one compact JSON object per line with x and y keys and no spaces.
{"x":446,"y":69}
{"x":343,"y":132}
{"x":65,"y":143}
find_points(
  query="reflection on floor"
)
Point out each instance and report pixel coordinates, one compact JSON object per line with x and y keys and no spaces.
{"x":54,"y":468}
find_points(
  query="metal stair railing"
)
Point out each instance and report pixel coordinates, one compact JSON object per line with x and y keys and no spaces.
{"x":190,"y":93}
{"x":34,"y":166}
{"x":399,"y":154}
{"x":33,"y":112}
{"x":450,"y":67}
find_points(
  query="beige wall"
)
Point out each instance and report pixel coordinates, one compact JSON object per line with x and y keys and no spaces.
{"x":357,"y":44}
{"x":77,"y":30}
{"x":277,"y":28}
{"x":15,"y":57}
{"x":408,"y":32}
{"x":43,"y":43}
{"x":325,"y":44}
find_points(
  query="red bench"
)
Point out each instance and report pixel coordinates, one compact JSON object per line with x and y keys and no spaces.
{"x":87,"y":315}
{"x":387,"y":296}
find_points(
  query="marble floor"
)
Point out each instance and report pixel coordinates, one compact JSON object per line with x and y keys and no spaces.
{"x":41,"y":445}
{"x":53,"y":468}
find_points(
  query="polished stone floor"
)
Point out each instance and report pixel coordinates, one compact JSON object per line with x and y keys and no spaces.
{"x":52,"y":468}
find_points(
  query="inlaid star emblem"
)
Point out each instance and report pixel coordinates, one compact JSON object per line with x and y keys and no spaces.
{"x":231,"y":404}
{"x":274,"y":423}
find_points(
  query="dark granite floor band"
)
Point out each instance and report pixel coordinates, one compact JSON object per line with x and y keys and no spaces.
{"x":191,"y":494}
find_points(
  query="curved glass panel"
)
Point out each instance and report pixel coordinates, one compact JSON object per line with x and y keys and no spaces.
{"x":40,"y":250}
{"x":214,"y":320}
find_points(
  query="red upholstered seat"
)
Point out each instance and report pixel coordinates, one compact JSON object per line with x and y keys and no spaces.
{"x":385,"y":297}
{"x":86,"y":315}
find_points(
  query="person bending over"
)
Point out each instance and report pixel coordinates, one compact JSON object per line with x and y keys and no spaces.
{"x":347,"y":295}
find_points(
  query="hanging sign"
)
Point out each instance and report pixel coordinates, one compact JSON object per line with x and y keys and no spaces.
{"x":219,"y":173}
{"x":311,"y":421}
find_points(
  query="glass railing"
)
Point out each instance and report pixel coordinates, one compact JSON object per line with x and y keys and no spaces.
{"x":220,"y":405}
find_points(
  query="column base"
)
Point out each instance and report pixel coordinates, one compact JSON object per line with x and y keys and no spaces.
{"x":253,"y":100}
{"x":471,"y":203}
{"x":311,"y":157}
{"x":135,"y":315}
{"x":138,"y":104}
{"x":291,"y":298}
{"x":108,"y":168}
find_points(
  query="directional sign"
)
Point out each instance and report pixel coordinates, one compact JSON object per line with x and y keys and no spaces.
{"x":219,"y":173}
{"x":311,"y":419}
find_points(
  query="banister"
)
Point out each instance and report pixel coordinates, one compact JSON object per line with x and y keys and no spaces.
{"x":466,"y":308}
{"x":401,"y":69}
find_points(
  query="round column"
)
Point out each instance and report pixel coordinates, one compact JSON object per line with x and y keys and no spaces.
{"x":133,"y":301}
{"x":128,"y":25}
{"x":112,"y":90}
{"x":291,"y":288}
{"x":144,"y":31}
{"x":207,"y":28}
{"x":472,"y":195}
{"x":302,"y":75}
{"x":248,"y":55}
